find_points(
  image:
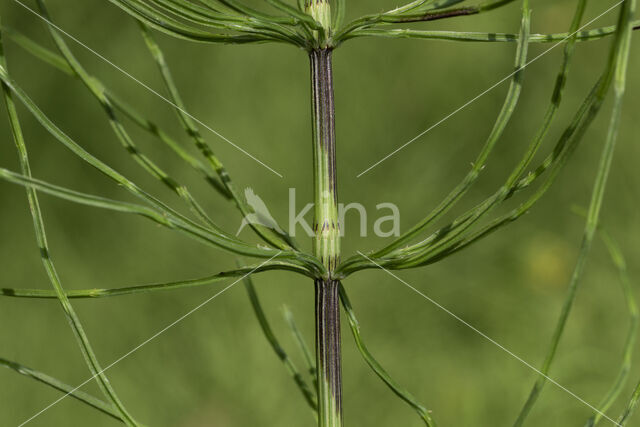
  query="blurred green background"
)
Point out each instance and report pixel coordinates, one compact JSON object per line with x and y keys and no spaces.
{"x":215,"y":368}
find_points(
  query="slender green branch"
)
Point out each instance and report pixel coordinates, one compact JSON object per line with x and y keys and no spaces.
{"x":143,"y":289}
{"x":632,"y":332}
{"x":430,"y":16}
{"x":631,"y":407}
{"x":85,"y":199}
{"x":302,"y":345}
{"x":339,"y":12}
{"x":393,"y":17}
{"x":56,"y":384}
{"x":407,"y":397}
{"x":581,"y":36}
{"x":422,"y":5}
{"x":304,"y":388}
{"x":615,"y":73}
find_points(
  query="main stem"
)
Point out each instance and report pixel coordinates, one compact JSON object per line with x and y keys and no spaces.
{"x":326,"y":242}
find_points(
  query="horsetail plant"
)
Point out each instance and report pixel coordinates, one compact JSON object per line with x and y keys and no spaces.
{"x":318,"y":27}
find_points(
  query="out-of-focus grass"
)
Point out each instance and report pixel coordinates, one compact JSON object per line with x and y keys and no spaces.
{"x":216,"y":368}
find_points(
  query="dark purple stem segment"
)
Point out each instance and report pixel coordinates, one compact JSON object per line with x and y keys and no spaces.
{"x":328,"y":356}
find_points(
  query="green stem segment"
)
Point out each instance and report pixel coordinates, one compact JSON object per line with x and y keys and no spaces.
{"x":326,"y":242}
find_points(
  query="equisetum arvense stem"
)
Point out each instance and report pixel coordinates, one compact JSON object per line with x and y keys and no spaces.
{"x":326,"y":241}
